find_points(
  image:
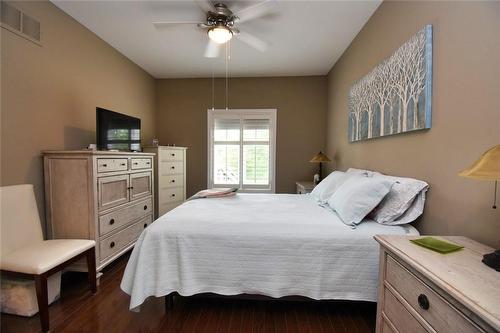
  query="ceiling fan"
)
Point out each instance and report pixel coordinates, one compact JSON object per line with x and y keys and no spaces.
{"x":221,"y":24}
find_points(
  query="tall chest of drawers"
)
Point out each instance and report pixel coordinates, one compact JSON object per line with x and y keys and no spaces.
{"x":170,"y":175}
{"x":423,"y":291}
{"x":104,"y":196}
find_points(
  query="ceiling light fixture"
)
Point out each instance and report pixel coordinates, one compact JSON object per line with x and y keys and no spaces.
{"x":220,"y":34}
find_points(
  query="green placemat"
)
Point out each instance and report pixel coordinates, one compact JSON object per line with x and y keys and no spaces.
{"x":437,"y":245}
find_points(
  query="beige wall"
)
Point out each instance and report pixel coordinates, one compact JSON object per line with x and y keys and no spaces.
{"x":465,"y":115}
{"x":49,"y":92}
{"x":301,"y":102}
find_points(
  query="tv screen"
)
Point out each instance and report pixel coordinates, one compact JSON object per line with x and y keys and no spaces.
{"x":117,"y":131}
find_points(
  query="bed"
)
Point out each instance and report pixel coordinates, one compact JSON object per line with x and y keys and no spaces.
{"x":266,"y":244}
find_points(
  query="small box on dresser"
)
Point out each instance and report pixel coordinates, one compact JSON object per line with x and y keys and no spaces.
{"x":424,"y":291}
{"x":170,"y":176}
{"x":99,"y":195}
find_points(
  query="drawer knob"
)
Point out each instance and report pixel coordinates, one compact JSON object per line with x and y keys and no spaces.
{"x":423,"y":302}
{"x":147,"y":163}
{"x":172,"y":167}
{"x":130,"y":188}
{"x":172,"y":181}
{"x":173,"y":194}
{"x":112,"y":245}
{"x":112,"y":221}
{"x":135,"y":163}
{"x":145,"y":207}
{"x":145,"y":225}
{"x":172,"y":154}
{"x":104,"y":165}
{"x":123,"y":164}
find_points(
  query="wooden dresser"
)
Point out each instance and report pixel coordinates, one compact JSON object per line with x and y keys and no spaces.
{"x":170,"y":175}
{"x":99,"y":195}
{"x":423,"y":291}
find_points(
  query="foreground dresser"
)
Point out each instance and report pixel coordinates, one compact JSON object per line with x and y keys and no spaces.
{"x":99,"y":195}
{"x":424,"y":291}
{"x":170,"y":175}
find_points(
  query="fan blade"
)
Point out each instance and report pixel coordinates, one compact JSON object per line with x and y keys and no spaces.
{"x":212,"y":50}
{"x":255,"y":11}
{"x":253,"y":41}
{"x":205,"y":5}
{"x":167,"y":24}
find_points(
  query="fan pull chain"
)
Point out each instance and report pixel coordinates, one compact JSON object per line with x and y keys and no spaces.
{"x":227,"y":58}
{"x":213,"y":85}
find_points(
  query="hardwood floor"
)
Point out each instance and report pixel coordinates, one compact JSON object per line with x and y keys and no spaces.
{"x":107,"y":311}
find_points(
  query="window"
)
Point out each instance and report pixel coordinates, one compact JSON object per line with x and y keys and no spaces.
{"x":241,"y":149}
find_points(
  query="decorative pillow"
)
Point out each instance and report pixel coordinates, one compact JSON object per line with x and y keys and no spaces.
{"x":413,"y":212}
{"x":367,"y":173}
{"x":399,"y":199}
{"x":357,"y":197}
{"x":324,"y":190}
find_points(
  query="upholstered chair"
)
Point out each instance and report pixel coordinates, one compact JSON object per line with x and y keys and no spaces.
{"x":24,"y":252}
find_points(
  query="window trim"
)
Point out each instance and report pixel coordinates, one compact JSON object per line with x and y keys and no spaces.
{"x":271,"y":114}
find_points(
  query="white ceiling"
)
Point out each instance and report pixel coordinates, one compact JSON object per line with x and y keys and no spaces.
{"x":305,"y":37}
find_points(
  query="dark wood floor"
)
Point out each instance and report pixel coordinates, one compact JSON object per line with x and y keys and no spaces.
{"x":107,"y":311}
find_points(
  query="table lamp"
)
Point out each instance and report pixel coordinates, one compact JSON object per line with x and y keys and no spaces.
{"x":487,"y":167}
{"x":320,"y":158}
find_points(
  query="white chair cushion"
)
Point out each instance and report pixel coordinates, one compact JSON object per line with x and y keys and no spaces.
{"x":45,"y":255}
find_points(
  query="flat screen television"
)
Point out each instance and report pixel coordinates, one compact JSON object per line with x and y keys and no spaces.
{"x":117,"y":131}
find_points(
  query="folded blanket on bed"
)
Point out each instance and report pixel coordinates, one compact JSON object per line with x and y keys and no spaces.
{"x":215,"y":193}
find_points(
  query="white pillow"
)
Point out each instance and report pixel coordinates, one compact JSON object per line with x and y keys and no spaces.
{"x":357,"y":197}
{"x":324,"y":190}
{"x":367,"y":173}
{"x":398,"y":201}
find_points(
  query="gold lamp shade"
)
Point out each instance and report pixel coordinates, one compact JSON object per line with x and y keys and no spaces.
{"x":487,"y":167}
{"x":320,"y":157}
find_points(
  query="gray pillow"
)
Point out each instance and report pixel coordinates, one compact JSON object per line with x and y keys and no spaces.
{"x":413,"y":212}
{"x":357,"y":197}
{"x":402,"y":196}
{"x":367,"y":173}
{"x":324,"y":190}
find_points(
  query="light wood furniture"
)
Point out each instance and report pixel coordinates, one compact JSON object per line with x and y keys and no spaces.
{"x":99,"y":195}
{"x":424,"y":291}
{"x":170,"y":175}
{"x":304,"y":187}
{"x":25,"y":253}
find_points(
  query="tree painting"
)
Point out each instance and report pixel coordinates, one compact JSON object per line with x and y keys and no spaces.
{"x":395,"y":97}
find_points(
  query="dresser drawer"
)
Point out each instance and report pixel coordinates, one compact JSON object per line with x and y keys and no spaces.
{"x":170,"y":195}
{"x":171,"y":168}
{"x":141,"y":163}
{"x":121,"y":217}
{"x":112,"y":164}
{"x":171,"y":181}
{"x":166,"y":207}
{"x":117,"y":242}
{"x":402,"y":320}
{"x":169,"y":155}
{"x":441,"y":315}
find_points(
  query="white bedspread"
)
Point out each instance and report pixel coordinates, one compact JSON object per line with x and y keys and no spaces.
{"x":267,"y":244}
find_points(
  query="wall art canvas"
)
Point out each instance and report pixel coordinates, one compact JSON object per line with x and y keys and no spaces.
{"x":395,"y":97}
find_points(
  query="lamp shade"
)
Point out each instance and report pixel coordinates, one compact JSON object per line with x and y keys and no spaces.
{"x":320,"y":157}
{"x":487,"y":167}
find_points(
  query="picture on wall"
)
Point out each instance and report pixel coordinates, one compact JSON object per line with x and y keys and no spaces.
{"x":395,"y":97}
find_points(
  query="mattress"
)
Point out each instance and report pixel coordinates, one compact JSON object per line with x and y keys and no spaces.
{"x":266,"y":244}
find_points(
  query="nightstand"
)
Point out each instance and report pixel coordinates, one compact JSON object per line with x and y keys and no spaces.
{"x":304,"y":187}
{"x":424,"y":291}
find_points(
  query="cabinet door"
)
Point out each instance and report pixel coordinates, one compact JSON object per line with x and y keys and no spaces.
{"x":140,"y":185}
{"x":113,"y":191}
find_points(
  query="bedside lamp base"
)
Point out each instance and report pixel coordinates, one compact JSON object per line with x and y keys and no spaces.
{"x":492,"y":260}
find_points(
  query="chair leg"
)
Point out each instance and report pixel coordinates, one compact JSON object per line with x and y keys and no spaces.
{"x":91,"y":269}
{"x":42,"y":298}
